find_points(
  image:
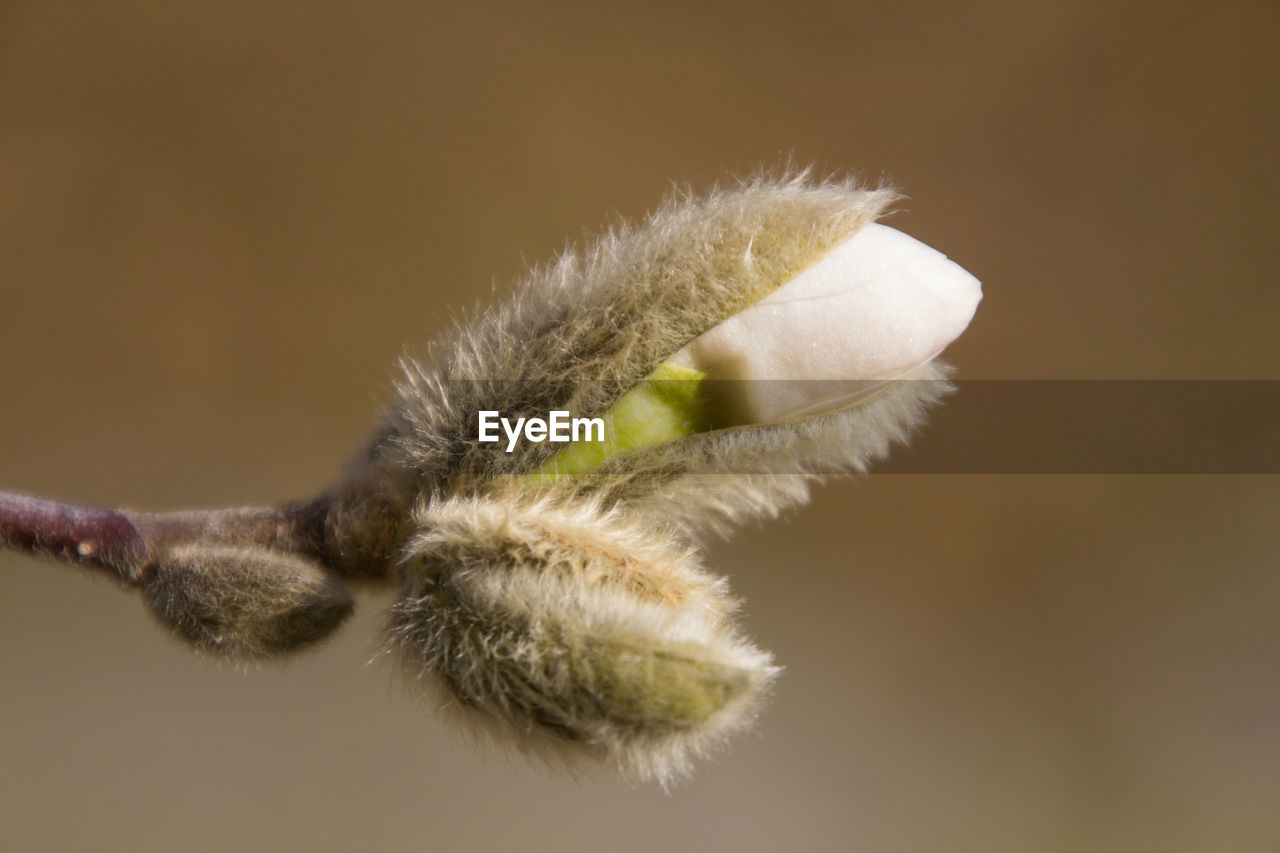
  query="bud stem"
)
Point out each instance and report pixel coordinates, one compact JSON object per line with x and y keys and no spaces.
{"x":124,"y":542}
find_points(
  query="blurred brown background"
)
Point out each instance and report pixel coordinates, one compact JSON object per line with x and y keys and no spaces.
{"x":221,"y":223}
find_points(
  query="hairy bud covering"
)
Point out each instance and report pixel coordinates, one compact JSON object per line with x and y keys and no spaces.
{"x":581,"y":334}
{"x":245,"y":602}
{"x":573,"y":629}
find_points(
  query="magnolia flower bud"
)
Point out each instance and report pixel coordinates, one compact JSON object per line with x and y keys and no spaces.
{"x":243,"y":602}
{"x":576,"y":631}
{"x":807,"y":374}
{"x":555,"y":591}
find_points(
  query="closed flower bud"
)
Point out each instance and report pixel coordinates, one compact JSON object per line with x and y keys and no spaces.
{"x":243,"y":602}
{"x":581,"y":633}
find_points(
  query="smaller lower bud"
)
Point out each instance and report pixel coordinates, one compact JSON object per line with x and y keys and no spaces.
{"x":243,"y":602}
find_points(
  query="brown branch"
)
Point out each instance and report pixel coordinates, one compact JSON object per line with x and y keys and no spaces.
{"x":89,"y":536}
{"x":126,"y":543}
{"x":355,"y":529}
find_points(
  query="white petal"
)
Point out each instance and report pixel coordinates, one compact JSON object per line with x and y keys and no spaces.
{"x":872,"y":309}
